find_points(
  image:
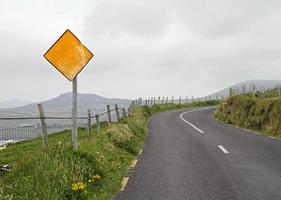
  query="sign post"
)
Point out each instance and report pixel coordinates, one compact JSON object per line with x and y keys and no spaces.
{"x":74,"y":114}
{"x":69,"y":56}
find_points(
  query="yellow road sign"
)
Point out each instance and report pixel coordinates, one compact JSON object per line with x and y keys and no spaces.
{"x":68,"y":55}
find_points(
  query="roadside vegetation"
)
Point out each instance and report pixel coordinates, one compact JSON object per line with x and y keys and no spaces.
{"x":260,"y":112}
{"x":95,"y":171}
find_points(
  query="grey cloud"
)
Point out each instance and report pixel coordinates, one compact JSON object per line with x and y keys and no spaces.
{"x":142,"y":48}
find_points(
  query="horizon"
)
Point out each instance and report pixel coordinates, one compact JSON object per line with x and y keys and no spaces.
{"x":23,"y":102}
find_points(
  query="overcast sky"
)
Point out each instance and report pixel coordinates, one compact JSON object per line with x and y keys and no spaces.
{"x":141,"y":47}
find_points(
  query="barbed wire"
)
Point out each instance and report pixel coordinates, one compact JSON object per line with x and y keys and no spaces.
{"x":55,"y":117}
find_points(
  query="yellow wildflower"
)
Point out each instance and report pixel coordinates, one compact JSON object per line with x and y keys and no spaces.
{"x":81,"y":186}
{"x":78,"y":186}
{"x":74,"y":187}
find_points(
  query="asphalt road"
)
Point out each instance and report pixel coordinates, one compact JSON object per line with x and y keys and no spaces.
{"x":189,"y":155}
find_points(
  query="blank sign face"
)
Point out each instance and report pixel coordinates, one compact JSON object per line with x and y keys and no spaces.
{"x":68,"y":55}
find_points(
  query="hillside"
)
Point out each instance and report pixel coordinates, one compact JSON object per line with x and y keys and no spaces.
{"x":259,"y":84}
{"x":61,"y":106}
{"x":63,"y":103}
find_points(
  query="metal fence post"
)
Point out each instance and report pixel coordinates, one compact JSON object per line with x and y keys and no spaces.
{"x":43,"y":125}
{"x":74,"y":114}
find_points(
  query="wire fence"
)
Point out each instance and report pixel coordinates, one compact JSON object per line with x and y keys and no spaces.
{"x":33,"y":129}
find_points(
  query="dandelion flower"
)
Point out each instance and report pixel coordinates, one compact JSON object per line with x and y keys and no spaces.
{"x":81,"y":186}
{"x":78,"y":186}
{"x":75,"y":186}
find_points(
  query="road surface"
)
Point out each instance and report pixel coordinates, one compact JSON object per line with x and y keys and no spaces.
{"x":189,"y":155}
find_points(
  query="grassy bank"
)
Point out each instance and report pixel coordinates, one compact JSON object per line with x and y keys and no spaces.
{"x":149,"y":111}
{"x":261,"y":114}
{"x":95,"y":171}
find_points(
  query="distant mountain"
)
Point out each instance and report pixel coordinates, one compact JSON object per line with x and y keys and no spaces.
{"x":13,"y":103}
{"x":63,"y":104}
{"x":259,"y":85}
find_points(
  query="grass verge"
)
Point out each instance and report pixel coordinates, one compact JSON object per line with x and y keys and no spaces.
{"x":254,"y":113}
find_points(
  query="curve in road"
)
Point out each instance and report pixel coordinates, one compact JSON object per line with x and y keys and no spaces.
{"x":189,"y":155}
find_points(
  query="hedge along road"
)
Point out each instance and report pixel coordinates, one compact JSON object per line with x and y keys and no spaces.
{"x":189,"y":155}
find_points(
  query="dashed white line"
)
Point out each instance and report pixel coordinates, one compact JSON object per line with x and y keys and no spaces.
{"x":190,"y":124}
{"x":223,"y":149}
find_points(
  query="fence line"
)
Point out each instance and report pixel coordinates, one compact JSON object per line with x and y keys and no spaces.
{"x":28,"y":132}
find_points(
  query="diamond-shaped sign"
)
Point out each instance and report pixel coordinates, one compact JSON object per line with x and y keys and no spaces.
{"x":68,"y":55}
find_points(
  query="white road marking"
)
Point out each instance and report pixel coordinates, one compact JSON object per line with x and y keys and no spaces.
{"x":134,"y":163}
{"x":124,"y":183}
{"x":223,"y":149}
{"x":190,"y":124}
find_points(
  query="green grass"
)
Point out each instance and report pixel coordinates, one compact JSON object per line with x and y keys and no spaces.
{"x":49,"y":174}
{"x":149,"y":111}
{"x":261,"y":114}
{"x":39,"y":173}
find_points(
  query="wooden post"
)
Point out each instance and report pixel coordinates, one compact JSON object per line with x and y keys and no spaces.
{"x":108,"y":114}
{"x":172,"y":99}
{"x":154,"y":100}
{"x":180,"y":100}
{"x":167,"y":99}
{"x":131,"y":108}
{"x":89,"y":124}
{"x":124,"y":113}
{"x":74,"y":114}
{"x":117,"y":112}
{"x":43,"y":125}
{"x":159,"y":99}
{"x":98,"y":123}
